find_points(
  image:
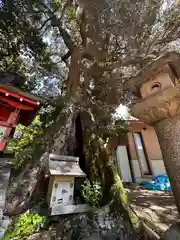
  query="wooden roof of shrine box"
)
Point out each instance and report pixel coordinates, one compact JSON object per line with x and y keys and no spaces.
{"x":60,"y":195}
{"x":64,"y":166}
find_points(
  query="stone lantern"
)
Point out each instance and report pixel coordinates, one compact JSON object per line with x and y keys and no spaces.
{"x":158,"y":91}
{"x":60,"y":197}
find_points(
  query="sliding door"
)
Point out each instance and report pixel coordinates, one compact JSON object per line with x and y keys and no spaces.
{"x":123,"y":164}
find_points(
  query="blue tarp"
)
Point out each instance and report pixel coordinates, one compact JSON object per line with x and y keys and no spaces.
{"x":161,"y":182}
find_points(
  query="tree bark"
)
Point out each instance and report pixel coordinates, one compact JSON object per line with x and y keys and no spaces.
{"x":59,"y":138}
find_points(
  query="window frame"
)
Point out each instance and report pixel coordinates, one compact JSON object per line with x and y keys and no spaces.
{"x":150,"y":173}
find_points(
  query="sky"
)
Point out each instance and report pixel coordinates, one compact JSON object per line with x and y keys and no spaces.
{"x":122,"y":111}
{"x":1,"y":4}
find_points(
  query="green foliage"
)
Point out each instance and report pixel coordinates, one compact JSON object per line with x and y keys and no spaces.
{"x":28,"y":135}
{"x":51,"y":112}
{"x":25,"y":147}
{"x":96,"y":141}
{"x":92,"y":193}
{"x":26,"y":225}
{"x":21,"y":146}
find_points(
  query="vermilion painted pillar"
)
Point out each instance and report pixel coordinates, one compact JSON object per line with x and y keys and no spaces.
{"x":9,"y":125}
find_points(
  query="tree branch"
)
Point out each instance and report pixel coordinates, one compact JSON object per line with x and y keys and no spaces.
{"x":65,"y":57}
{"x":67,"y":4}
{"x":58,"y":23}
{"x":44,"y":23}
{"x":66,"y":37}
{"x":83,"y":28}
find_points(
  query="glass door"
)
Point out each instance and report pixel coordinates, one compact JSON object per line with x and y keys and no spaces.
{"x":141,"y":154}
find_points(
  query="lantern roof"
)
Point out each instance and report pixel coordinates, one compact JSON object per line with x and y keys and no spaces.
{"x":168,"y":61}
{"x":60,"y":165}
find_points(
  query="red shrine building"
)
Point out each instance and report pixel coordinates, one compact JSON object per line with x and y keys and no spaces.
{"x":16,"y":106}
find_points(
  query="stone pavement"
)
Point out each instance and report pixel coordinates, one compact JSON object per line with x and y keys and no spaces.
{"x":156,"y":208}
{"x":5,"y":168}
{"x":173,"y":233}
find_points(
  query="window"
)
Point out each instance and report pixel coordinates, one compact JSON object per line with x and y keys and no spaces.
{"x":142,"y":154}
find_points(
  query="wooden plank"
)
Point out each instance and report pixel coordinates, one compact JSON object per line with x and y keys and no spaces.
{"x":69,"y":209}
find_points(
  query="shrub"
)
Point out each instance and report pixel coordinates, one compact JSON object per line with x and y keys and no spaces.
{"x":27,"y":224}
{"x":92,"y":193}
{"x":22,"y":146}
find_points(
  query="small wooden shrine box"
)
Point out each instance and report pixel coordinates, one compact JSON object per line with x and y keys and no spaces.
{"x":62,"y":170}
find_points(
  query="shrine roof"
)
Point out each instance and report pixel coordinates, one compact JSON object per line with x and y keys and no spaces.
{"x":160,"y":64}
{"x":20,"y":93}
{"x":60,"y":165}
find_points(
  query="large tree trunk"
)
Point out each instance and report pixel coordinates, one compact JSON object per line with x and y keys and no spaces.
{"x":59,"y":138}
{"x":65,"y":137}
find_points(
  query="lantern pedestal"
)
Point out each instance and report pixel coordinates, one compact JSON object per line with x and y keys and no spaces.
{"x":162,"y":111}
{"x":157,"y":87}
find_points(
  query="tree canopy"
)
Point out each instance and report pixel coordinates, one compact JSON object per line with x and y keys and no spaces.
{"x":85,"y":50}
{"x":101,"y":42}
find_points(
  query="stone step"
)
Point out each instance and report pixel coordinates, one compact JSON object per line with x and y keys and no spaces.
{"x":5,"y":169}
